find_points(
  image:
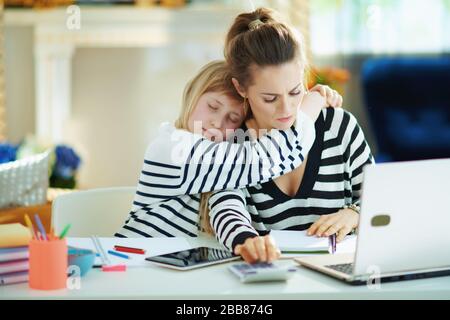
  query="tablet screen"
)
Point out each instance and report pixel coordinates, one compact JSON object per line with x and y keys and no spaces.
{"x":193,"y":257}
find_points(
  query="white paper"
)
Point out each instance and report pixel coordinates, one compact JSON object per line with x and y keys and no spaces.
{"x":292,"y":241}
{"x":152,"y":246}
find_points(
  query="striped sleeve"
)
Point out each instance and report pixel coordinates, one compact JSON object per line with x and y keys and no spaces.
{"x":230,"y":219}
{"x":360,"y":155}
{"x":179,"y":162}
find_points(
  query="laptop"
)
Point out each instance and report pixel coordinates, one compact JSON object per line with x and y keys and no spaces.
{"x":404,"y":227}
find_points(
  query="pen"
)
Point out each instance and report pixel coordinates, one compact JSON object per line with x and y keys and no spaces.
{"x":129,"y":249}
{"x":118,"y":254}
{"x":333,"y":240}
{"x":40,"y":226}
{"x":332,"y":243}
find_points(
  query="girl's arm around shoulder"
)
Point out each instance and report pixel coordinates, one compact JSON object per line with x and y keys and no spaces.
{"x":196,"y":164}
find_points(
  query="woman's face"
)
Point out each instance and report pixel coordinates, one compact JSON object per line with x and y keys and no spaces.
{"x":216,"y":116}
{"x":275,"y":94}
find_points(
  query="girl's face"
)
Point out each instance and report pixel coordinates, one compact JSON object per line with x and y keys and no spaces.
{"x":275,"y":95}
{"x":216,"y":116}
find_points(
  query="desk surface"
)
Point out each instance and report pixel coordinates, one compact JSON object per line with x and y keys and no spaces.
{"x":216,"y":282}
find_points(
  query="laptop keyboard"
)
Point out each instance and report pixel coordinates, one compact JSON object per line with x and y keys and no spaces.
{"x":346,"y":268}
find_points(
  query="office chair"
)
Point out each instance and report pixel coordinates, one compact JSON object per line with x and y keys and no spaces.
{"x":100,"y":212}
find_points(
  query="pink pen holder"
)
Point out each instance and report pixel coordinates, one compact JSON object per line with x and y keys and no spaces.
{"x":48,"y":264}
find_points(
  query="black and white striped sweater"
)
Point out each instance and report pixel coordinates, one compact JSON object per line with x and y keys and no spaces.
{"x":180,"y":165}
{"x":333,"y":178}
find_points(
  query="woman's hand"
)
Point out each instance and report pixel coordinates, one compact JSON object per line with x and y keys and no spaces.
{"x":258,"y":249}
{"x":333,"y":98}
{"x":341,"y":223}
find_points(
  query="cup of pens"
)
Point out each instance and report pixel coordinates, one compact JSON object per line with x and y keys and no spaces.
{"x":47,"y":259}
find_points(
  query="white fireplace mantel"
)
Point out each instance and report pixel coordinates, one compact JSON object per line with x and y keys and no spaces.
{"x":104,"y":27}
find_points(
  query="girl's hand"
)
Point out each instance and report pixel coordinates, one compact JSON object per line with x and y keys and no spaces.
{"x":312,"y":104}
{"x":258,"y":249}
{"x":341,"y":223}
{"x":333,"y":98}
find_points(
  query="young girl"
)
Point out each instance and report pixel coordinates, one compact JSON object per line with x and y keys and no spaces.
{"x":182,"y":162}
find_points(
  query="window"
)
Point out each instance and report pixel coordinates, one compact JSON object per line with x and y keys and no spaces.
{"x":379,"y":26}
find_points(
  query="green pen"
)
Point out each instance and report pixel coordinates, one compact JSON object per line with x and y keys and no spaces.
{"x":63,"y":233}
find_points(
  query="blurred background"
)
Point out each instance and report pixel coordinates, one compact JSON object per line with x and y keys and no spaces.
{"x":94,"y":79}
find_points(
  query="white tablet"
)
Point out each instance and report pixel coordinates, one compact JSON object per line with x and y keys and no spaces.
{"x":193,"y":258}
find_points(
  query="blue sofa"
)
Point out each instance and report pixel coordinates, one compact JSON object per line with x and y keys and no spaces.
{"x":408,"y":103}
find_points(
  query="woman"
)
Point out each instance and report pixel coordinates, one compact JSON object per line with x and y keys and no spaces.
{"x":182,"y":162}
{"x":267,"y":63}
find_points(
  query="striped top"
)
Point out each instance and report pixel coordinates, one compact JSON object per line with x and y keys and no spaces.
{"x":332,"y":179}
{"x":180,"y":165}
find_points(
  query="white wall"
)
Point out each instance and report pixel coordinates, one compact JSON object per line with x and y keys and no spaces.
{"x":119,"y":98}
{"x":19,"y":82}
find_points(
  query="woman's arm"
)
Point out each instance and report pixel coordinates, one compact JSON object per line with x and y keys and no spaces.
{"x":232,"y":225}
{"x":345,"y":220}
{"x":360,"y":156}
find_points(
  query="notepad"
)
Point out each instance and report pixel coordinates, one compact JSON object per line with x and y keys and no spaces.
{"x":14,"y":235}
{"x":289,"y":241}
{"x":153,"y":247}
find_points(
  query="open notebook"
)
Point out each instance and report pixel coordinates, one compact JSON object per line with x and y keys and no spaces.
{"x":297,"y":242}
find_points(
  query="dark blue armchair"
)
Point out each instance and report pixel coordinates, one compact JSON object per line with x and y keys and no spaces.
{"x":408,"y":103}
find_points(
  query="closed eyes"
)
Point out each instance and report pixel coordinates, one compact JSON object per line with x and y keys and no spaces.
{"x":213,"y":107}
{"x":294,"y":93}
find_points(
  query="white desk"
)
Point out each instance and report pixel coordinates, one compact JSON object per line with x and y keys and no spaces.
{"x":216,"y":282}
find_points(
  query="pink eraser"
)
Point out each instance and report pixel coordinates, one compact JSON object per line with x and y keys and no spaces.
{"x":118,"y":267}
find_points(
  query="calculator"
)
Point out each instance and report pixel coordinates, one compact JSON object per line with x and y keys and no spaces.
{"x":262,"y":271}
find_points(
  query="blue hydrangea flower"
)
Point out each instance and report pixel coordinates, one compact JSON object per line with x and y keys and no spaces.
{"x":67,"y":161}
{"x":8,"y":152}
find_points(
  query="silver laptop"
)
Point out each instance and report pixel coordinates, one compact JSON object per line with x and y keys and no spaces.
{"x":404,"y":228}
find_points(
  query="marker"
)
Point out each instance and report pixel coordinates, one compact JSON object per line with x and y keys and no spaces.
{"x":64,"y":232}
{"x":30,"y":226}
{"x":129,"y":249}
{"x":40,"y":227}
{"x":121,"y":255}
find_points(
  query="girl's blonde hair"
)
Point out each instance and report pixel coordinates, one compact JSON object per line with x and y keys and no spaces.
{"x":213,"y":77}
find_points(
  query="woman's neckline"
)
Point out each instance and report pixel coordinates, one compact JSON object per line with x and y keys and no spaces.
{"x":311,"y":170}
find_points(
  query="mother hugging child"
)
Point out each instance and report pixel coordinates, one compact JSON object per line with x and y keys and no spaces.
{"x":298,"y":166}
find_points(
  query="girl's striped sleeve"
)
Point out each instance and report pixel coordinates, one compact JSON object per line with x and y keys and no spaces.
{"x":180,"y":162}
